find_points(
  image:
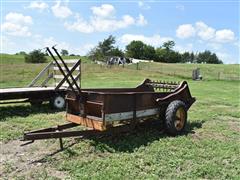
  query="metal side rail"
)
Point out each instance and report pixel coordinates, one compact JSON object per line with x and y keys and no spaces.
{"x":56,"y":132}
{"x":49,"y":133}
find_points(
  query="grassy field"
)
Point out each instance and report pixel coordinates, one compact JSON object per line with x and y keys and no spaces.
{"x":14,"y":72}
{"x":19,"y":59}
{"x":208,"y":150}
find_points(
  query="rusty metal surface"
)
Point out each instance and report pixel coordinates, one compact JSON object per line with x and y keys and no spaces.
{"x":98,"y":108}
{"x":59,"y":131}
{"x":90,"y":108}
{"x":101,"y":102}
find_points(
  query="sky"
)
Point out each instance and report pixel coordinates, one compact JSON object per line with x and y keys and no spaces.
{"x":78,"y":25}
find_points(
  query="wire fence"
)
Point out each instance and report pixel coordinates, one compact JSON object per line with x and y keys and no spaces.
{"x":22,"y":74}
{"x":185,"y":71}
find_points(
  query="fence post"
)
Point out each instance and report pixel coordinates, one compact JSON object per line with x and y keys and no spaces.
{"x":219,"y":74}
{"x":137,"y":66}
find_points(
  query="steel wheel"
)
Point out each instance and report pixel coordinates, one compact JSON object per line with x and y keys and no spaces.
{"x":180,"y":118}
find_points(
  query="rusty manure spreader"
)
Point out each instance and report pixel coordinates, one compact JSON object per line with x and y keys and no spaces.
{"x":118,"y":109}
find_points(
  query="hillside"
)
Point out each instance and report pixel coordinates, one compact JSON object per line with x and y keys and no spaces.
{"x":19,"y":59}
{"x":23,"y":73}
{"x":208,"y":150}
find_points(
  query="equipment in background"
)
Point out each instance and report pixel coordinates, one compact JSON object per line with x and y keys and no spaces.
{"x":196,"y":75}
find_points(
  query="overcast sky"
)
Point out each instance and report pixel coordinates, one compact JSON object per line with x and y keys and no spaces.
{"x":78,"y":25}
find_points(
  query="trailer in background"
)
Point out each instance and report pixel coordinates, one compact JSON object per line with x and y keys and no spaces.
{"x":49,"y":85}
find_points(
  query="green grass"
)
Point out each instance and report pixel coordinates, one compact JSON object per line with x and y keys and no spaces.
{"x":14,"y":72}
{"x":208,"y":71}
{"x":19,"y":59}
{"x":209,"y":149}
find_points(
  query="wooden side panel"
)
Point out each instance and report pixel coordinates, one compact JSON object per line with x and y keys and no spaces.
{"x":87,"y":122}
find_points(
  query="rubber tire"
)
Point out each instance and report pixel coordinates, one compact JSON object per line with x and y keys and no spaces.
{"x":58,"y":102}
{"x":170,"y":117}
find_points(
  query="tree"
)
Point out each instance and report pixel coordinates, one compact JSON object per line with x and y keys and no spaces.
{"x":21,"y":53}
{"x":139,"y":50}
{"x":173,"y":57}
{"x":135,"y":49}
{"x":192,"y":57}
{"x":167,"y":54}
{"x":168,"y":45}
{"x":64,"y":52}
{"x":95,"y":54}
{"x":214,"y":59}
{"x":35,"y":56}
{"x":107,"y":45}
{"x":208,"y":57}
{"x":161,"y":55}
{"x":117,"y":52}
{"x":149,"y":52}
{"x":104,"y":48}
{"x":186,"y":57}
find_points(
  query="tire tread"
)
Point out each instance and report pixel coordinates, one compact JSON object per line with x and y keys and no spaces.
{"x":170,"y":117}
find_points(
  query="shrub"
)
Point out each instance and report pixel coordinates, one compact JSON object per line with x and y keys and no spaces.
{"x":36,"y":56}
{"x":64,"y":52}
{"x":21,"y":53}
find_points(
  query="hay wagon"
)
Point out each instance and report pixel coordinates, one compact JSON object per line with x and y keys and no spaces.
{"x":48,"y":85}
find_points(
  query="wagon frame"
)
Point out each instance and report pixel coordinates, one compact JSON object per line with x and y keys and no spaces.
{"x":119,"y":109}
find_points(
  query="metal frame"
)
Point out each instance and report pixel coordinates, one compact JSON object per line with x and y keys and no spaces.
{"x":99,"y":108}
{"x":65,"y":76}
{"x":46,"y":69}
{"x":69,"y":73}
{"x":40,"y":90}
{"x":59,"y":133}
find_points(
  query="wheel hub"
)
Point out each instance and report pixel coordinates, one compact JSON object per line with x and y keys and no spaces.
{"x":59,"y":102}
{"x":180,"y":118}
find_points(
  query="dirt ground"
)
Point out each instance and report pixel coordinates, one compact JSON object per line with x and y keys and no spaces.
{"x":26,"y":162}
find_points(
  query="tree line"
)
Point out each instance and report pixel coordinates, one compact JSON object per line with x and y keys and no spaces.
{"x":140,"y":50}
{"x":37,"y":56}
{"x":135,"y":49}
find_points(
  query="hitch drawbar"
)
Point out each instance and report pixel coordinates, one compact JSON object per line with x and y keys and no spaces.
{"x":55,"y":132}
{"x":58,"y":133}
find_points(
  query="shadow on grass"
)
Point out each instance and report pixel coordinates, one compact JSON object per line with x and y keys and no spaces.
{"x":191,"y":126}
{"x":129,"y":141}
{"x":124,"y":142}
{"x":141,"y":136}
{"x":24,"y":110}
